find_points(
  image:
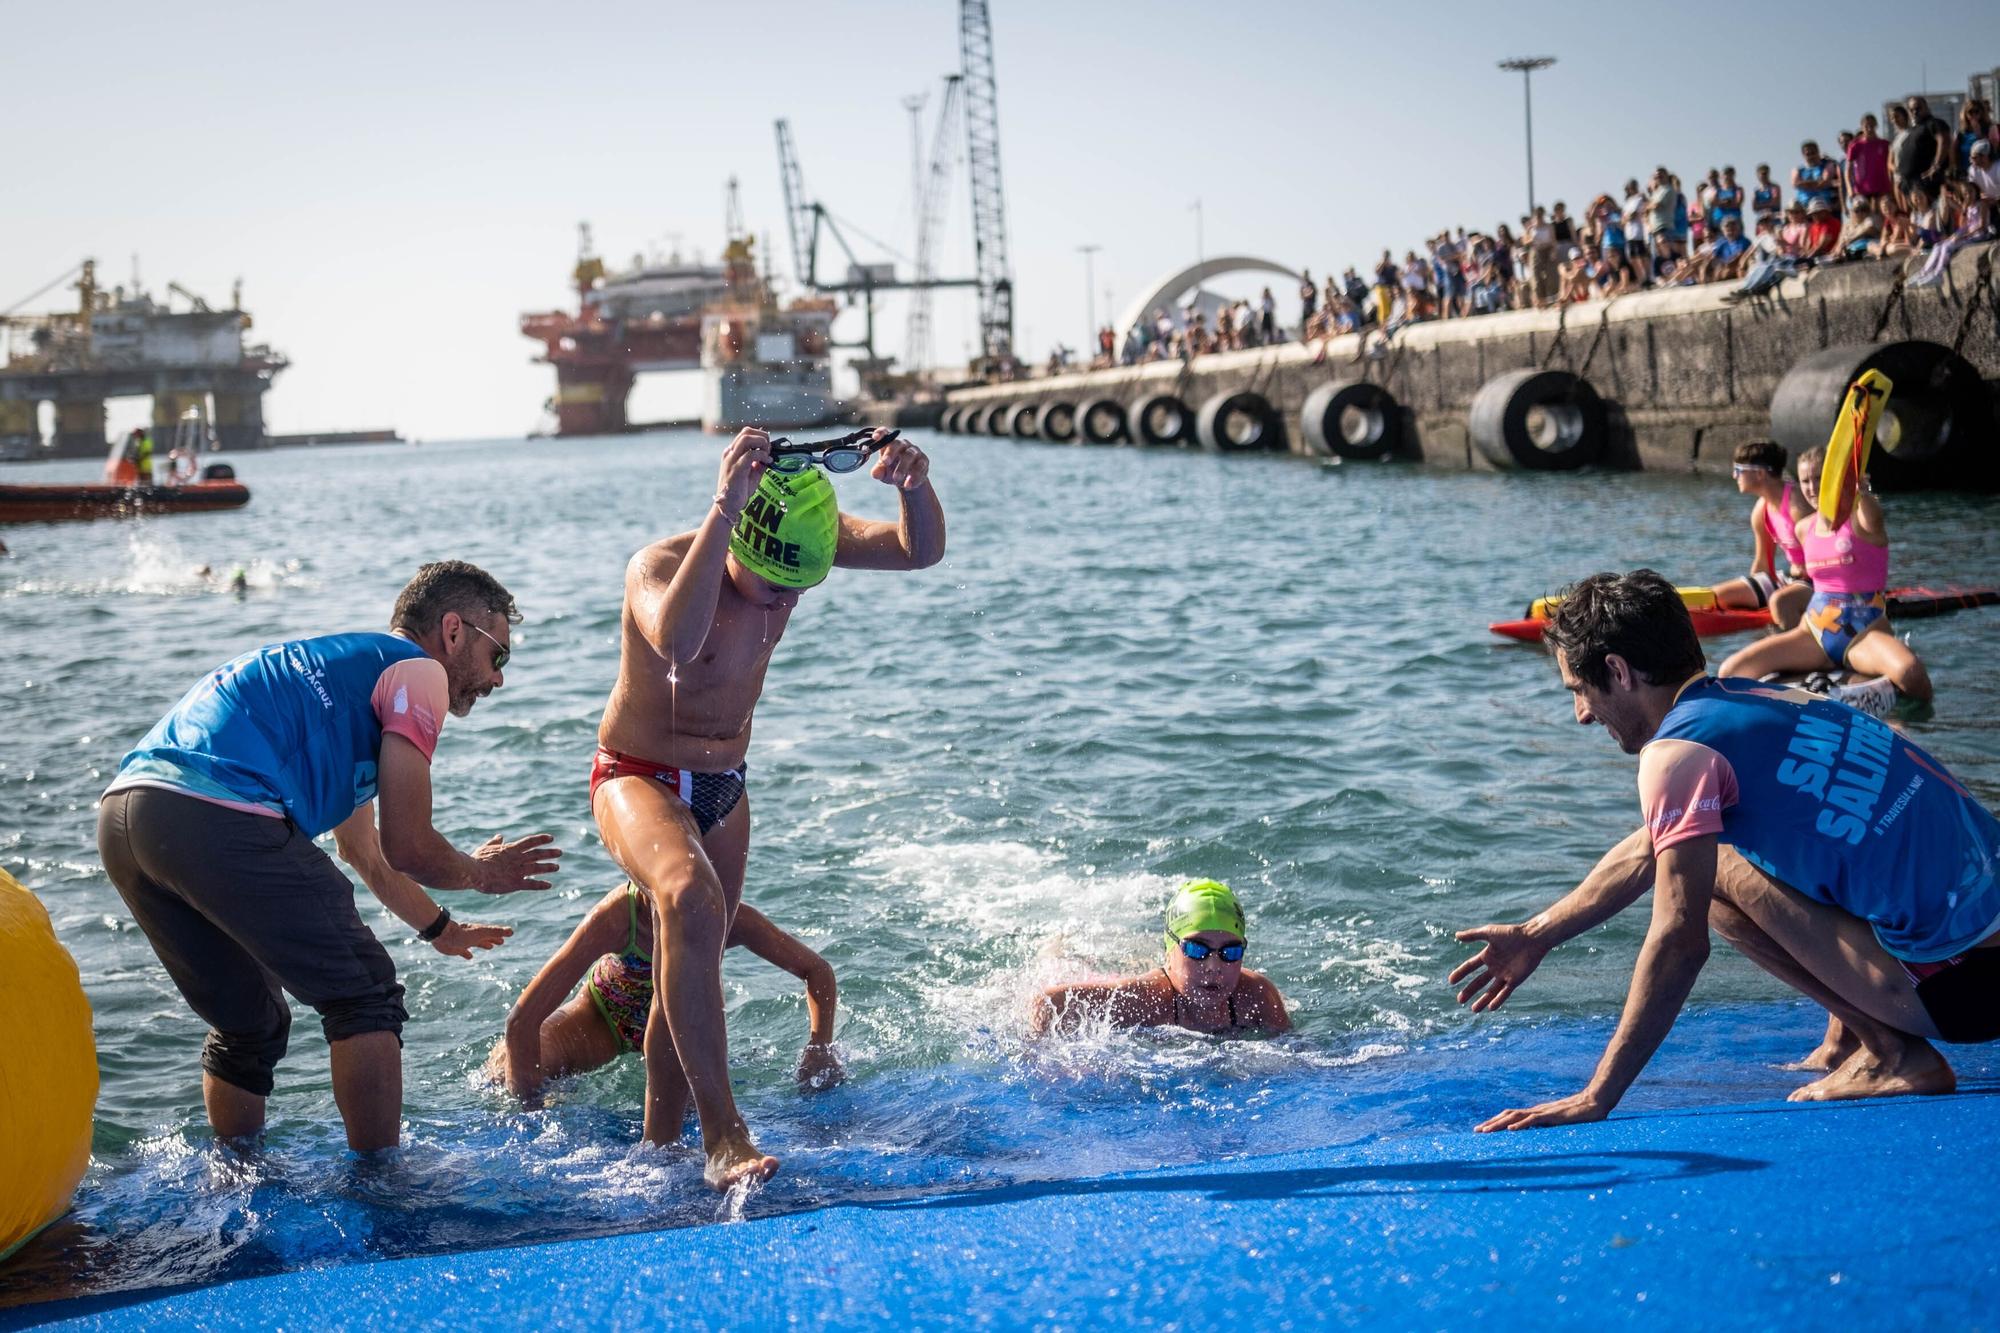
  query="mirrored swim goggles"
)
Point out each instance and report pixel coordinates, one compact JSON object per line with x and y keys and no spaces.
{"x":845,"y":454}
{"x":1196,"y":950}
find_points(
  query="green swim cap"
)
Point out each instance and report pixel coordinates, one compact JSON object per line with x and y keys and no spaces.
{"x":787,"y":532}
{"x":1204,"y":904}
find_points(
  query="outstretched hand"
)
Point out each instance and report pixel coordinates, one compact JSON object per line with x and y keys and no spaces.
{"x":509,"y":867}
{"x":1511,"y":955}
{"x":1577,"y":1109}
{"x":460,"y":938}
{"x":901,"y":464}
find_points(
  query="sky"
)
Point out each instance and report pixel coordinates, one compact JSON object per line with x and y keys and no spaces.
{"x":396,"y":183}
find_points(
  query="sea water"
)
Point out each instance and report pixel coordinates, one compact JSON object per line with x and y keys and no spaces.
{"x":1132,"y":668}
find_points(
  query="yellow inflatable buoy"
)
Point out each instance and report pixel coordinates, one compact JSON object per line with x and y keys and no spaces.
{"x":1853,"y":436}
{"x":48,"y":1070}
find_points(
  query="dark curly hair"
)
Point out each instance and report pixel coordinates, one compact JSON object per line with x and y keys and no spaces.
{"x":449,"y":585}
{"x":1639,"y":616}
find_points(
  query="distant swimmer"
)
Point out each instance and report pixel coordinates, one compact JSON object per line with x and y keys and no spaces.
{"x":703,"y":612}
{"x":208,"y":829}
{"x":1832,"y":852}
{"x":611,"y":952}
{"x":1759,"y":470}
{"x":1846,"y":624}
{"x":1201,"y":985}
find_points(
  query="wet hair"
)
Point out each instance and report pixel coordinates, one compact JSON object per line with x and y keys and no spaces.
{"x":450,"y":585}
{"x":1639,"y":616}
{"x":1766,"y":454}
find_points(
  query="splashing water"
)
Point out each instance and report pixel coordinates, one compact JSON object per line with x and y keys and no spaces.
{"x":967,"y":784}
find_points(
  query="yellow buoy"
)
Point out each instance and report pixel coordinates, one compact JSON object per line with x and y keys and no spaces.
{"x":48,"y":1070}
{"x":1853,"y":436}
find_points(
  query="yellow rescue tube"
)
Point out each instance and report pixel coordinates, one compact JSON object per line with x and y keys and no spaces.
{"x":48,"y":1070}
{"x":1695,"y":599}
{"x":1853,"y":437}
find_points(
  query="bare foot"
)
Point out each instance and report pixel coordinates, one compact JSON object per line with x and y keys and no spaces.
{"x":1915,"y":1071}
{"x":737,"y":1161}
{"x":1835,"y":1050}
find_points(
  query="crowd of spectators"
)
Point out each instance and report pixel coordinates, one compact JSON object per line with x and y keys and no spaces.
{"x":1924,"y":189}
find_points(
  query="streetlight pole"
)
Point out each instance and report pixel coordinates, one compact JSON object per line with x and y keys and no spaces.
{"x":1089,"y":294}
{"x":1527,"y":65}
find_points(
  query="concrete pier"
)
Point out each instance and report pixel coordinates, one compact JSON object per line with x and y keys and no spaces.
{"x":1668,"y":380}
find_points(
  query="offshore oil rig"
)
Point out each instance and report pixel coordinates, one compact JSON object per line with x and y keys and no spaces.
{"x":193,"y":363}
{"x":767,"y":363}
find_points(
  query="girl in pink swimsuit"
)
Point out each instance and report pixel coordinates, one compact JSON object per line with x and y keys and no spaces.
{"x":1759,"y":470}
{"x":1846,"y":625}
{"x":551,"y":1033}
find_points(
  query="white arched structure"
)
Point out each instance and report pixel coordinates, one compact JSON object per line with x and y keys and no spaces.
{"x":1167,"y":292}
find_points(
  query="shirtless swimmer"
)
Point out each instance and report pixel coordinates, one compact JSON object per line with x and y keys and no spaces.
{"x":703,"y":612}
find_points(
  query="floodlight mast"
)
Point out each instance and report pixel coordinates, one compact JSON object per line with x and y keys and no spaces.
{"x":1527,"y":65}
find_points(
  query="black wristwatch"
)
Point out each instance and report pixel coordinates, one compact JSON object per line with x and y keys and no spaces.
{"x":436,"y":928}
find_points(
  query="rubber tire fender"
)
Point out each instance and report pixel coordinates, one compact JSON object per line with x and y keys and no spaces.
{"x":1323,"y":421}
{"x":1504,"y":414}
{"x":1058,"y":422}
{"x":1169,"y":409}
{"x":1024,"y":422}
{"x":1102,"y":421}
{"x":1251,"y":410}
{"x":1937,"y":430}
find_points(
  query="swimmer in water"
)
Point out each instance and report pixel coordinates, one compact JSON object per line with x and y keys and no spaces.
{"x":703,"y":612}
{"x":611,"y":951}
{"x":1202,"y":985}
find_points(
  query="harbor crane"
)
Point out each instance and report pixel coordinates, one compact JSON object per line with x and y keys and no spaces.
{"x":969,"y":96}
{"x":808,"y":219}
{"x":935,"y":189}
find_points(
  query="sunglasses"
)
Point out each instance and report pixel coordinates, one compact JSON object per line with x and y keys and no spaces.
{"x":1745,"y":469}
{"x":845,"y":454}
{"x":501,"y":652}
{"x":1196,"y":950}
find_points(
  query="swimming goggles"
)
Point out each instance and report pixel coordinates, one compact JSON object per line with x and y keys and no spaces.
{"x":1196,"y":950}
{"x":845,"y":454}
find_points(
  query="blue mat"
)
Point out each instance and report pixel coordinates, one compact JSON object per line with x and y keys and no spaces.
{"x":1745,"y":1215}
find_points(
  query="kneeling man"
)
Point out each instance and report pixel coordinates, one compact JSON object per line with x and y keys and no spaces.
{"x":1834,"y":853}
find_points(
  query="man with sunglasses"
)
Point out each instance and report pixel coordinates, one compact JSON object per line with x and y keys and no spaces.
{"x":207,"y":833}
{"x":703,"y":612}
{"x":1200,"y":985}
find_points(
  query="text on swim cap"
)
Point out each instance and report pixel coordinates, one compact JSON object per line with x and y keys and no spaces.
{"x":759,"y":531}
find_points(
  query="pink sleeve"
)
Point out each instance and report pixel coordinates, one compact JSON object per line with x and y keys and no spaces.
{"x":411,"y":699}
{"x":1683,"y":789}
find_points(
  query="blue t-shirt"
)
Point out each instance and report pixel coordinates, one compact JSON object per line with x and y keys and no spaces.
{"x":1727,"y":248}
{"x":1831,"y":802}
{"x":1817,"y":182}
{"x":294,"y":727}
